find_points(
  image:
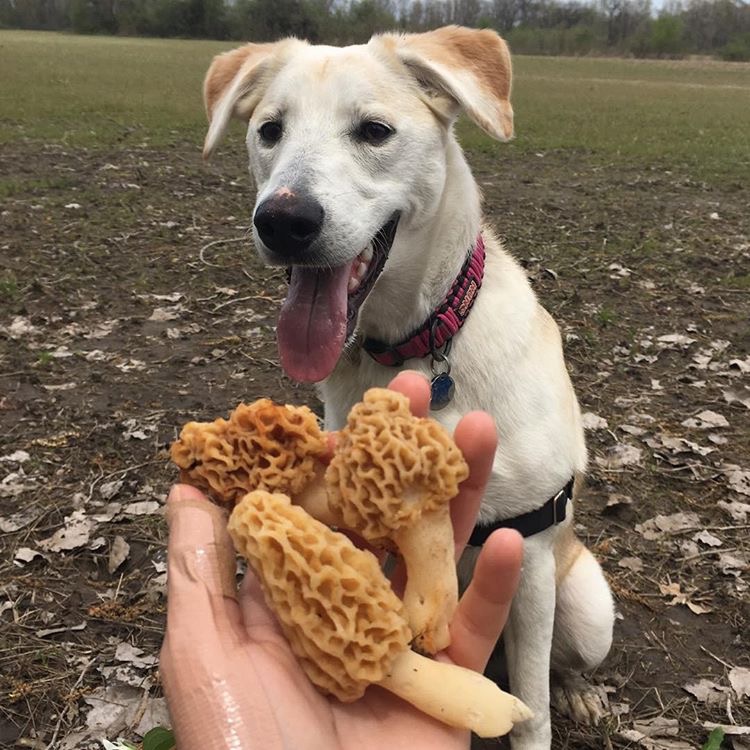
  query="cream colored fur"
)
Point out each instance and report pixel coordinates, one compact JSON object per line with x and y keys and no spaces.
{"x":507,"y":359}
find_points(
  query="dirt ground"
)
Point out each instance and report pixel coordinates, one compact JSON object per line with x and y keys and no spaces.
{"x":131,"y":303}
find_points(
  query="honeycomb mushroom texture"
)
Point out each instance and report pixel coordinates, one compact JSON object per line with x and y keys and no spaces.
{"x":262,"y":445}
{"x":390,"y":467}
{"x":337,"y":610}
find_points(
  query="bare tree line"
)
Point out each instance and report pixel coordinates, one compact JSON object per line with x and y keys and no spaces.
{"x":629,"y":27}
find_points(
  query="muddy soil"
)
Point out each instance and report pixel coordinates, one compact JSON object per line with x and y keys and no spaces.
{"x":132,"y":303}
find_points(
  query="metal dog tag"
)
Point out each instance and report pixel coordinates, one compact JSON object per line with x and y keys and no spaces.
{"x":442,"y":389}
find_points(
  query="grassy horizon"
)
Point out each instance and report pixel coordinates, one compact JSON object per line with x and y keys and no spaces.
{"x":92,"y":91}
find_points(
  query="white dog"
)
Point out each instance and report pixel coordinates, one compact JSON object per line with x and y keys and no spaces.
{"x":365,"y":195}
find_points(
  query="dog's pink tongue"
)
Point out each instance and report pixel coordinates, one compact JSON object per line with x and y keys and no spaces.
{"x":312,"y":325}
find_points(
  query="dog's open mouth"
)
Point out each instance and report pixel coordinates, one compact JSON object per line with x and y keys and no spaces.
{"x":321,"y":308}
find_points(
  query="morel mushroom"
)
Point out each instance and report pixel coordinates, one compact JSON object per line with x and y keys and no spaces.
{"x":262,"y":445}
{"x":344,"y":623}
{"x":392,"y":478}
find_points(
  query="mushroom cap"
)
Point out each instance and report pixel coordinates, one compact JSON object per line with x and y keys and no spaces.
{"x":262,"y":445}
{"x":336,"y":608}
{"x":390,"y":467}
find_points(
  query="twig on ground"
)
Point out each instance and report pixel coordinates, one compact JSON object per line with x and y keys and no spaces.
{"x":226,"y":241}
{"x":31,"y":743}
{"x":232,"y":301}
{"x":713,"y":656}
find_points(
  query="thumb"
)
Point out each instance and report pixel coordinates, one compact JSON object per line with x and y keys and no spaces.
{"x":200,"y":560}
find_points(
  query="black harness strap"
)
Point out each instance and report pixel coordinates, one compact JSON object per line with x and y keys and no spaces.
{"x":528,"y":524}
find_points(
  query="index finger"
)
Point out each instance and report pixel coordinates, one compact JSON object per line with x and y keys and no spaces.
{"x":416,"y":388}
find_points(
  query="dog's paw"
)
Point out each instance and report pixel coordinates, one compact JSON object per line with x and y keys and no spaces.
{"x":572,"y":696}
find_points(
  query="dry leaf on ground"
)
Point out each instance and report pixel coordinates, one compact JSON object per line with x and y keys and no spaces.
{"x":706,"y":420}
{"x":737,"y":478}
{"x":732,"y":564}
{"x":17,"y":521}
{"x":739,"y":394}
{"x":657,"y":527}
{"x":121,"y":707}
{"x":593,"y":421}
{"x":707,"y":538}
{"x":737,"y":510}
{"x":616,"y":500}
{"x":15,"y":483}
{"x":75,"y":533}
{"x":622,"y":454}
{"x":26,"y":555}
{"x":656,"y":734}
{"x":19,"y":327}
{"x":108,"y":490}
{"x":162,"y":314}
{"x":142,"y":508}
{"x":739,"y":679}
{"x":17,"y":457}
{"x":672,"y":340}
{"x":679,"y":597}
{"x":118,"y":553}
{"x":125,"y":652}
{"x":707,"y":691}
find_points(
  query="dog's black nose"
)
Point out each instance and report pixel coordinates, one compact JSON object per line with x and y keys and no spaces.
{"x":288,"y":223}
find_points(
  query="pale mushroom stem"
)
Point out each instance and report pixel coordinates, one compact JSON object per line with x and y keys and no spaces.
{"x":431,"y":593}
{"x":456,"y":696}
{"x":314,"y":499}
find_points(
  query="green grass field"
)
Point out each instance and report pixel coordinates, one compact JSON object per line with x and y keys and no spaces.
{"x":99,"y":91}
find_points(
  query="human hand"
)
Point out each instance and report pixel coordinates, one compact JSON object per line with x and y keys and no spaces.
{"x":231,"y":680}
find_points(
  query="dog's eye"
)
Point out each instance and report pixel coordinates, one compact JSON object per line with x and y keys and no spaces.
{"x":374,"y":132}
{"x":270,"y":132}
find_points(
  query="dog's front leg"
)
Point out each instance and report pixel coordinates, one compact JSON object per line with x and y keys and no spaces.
{"x":528,"y":638}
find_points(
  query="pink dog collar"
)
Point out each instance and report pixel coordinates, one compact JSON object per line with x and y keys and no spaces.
{"x":438,"y":330}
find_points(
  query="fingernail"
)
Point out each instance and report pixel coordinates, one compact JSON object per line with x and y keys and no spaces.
{"x":412,"y":373}
{"x":181,"y":493}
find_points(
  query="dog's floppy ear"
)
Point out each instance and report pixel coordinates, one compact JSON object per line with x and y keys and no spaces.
{"x":234,"y":82}
{"x":469,"y":66}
